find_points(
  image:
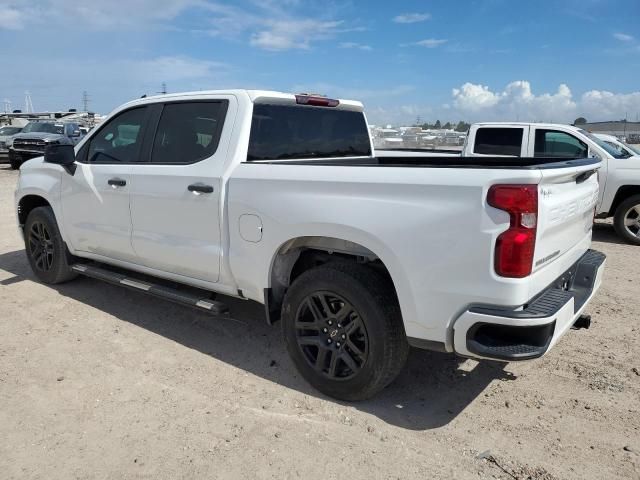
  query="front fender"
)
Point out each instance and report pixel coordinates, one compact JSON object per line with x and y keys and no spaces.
{"x":43,"y":180}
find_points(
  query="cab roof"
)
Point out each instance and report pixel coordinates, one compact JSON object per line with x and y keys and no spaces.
{"x":255,"y":96}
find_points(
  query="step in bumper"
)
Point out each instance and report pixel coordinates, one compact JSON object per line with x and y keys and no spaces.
{"x":495,"y":333}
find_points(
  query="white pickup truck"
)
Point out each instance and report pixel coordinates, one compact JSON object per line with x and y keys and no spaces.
{"x":279,"y":198}
{"x":619,"y":175}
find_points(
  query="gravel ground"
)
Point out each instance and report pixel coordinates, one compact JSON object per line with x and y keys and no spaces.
{"x":101,"y":382}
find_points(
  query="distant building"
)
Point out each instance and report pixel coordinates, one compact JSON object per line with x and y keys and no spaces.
{"x":626,"y":131}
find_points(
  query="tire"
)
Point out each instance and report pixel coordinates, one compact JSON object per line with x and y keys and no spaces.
{"x":362,"y":335}
{"x":14,"y":160}
{"x":47,"y":253}
{"x":626,"y":220}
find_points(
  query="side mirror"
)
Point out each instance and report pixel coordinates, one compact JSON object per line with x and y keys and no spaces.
{"x":63,"y":155}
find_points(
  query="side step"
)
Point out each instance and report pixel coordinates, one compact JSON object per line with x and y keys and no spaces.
{"x":211,"y":306}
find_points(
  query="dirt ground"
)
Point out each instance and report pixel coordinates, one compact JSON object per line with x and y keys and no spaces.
{"x":101,"y":382}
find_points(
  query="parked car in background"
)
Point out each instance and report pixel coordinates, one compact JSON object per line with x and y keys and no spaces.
{"x":388,"y":138}
{"x":619,"y":176}
{"x":37,"y":135}
{"x":6,"y":135}
{"x":281,"y":199}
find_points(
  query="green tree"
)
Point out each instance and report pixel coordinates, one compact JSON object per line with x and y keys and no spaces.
{"x":580,"y":121}
{"x":462,"y":126}
{"x":437,"y":124}
{"x":448,"y":126}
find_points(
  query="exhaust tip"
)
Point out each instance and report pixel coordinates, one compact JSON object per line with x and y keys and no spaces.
{"x":583,"y":321}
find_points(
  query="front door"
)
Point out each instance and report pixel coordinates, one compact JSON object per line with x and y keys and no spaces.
{"x":176,"y":195}
{"x":95,"y":199}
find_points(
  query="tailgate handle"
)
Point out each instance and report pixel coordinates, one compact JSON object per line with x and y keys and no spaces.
{"x":584,"y":176}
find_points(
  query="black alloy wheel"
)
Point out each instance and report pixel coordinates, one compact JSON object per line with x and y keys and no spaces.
{"x":331,"y":335}
{"x":343,"y":329}
{"x":46,"y":251}
{"x":41,"y":247}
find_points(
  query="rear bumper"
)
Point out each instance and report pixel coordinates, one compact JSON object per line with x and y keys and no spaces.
{"x":495,"y":333}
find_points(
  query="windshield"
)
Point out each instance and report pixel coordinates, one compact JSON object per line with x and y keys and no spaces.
{"x":44,"y":127}
{"x":9,"y":130}
{"x":633,"y":148}
{"x":614,"y":151}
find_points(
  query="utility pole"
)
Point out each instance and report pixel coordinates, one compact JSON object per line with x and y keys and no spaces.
{"x":28,"y":105}
{"x":85,"y":101}
{"x":7,"y":105}
{"x":163,"y":91}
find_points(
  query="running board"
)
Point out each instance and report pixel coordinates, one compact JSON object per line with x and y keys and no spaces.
{"x":211,"y":306}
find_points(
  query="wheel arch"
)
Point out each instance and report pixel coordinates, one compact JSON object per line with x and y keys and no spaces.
{"x":623,"y":192}
{"x":300,"y":254}
{"x":27,"y":203}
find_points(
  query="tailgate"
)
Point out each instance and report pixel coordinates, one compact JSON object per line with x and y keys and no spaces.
{"x":566,"y":199}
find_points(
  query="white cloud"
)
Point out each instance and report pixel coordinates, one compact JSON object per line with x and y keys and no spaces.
{"x":601,"y":104}
{"x":354,"y":45}
{"x":95,"y":14}
{"x":265,"y":24}
{"x":292,"y":34}
{"x":11,"y":18}
{"x":412,"y":17}
{"x":430,"y":42}
{"x":623,"y":37}
{"x":174,"y":69}
{"x":517,"y":101}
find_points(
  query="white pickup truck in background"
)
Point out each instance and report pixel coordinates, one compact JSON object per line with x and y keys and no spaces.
{"x":280,"y":199}
{"x":619,"y":174}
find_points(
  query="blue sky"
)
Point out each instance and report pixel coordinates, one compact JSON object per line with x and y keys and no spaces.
{"x":473,"y":60}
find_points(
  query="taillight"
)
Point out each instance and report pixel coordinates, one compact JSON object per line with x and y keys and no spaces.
{"x":316,"y":100}
{"x":515,"y":247}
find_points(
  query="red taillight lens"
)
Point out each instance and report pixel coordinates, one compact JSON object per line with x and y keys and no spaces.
{"x":316,"y":101}
{"x":515,"y":247}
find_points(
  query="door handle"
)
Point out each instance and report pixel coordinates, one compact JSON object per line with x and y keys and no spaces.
{"x":117,"y":182}
{"x":200,"y":188}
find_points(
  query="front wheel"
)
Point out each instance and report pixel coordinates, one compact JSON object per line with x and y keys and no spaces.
{"x":46,"y":250}
{"x":14,"y":160}
{"x":343,"y":329}
{"x":627,"y":220}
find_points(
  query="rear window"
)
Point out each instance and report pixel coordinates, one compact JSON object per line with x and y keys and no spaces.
{"x":281,"y":131}
{"x":499,"y":141}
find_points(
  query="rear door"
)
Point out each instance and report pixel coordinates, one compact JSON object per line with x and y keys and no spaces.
{"x":176,"y":194}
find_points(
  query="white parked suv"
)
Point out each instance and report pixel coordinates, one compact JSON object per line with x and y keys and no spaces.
{"x":280,"y":199}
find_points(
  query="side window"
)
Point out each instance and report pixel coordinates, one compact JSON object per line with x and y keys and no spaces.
{"x":499,"y":141}
{"x":120,"y":139}
{"x":188,"y":132}
{"x":551,"y":143}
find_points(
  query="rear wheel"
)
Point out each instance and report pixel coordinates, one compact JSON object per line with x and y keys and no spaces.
{"x":343,"y":330}
{"x":46,"y":250}
{"x":627,"y":220}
